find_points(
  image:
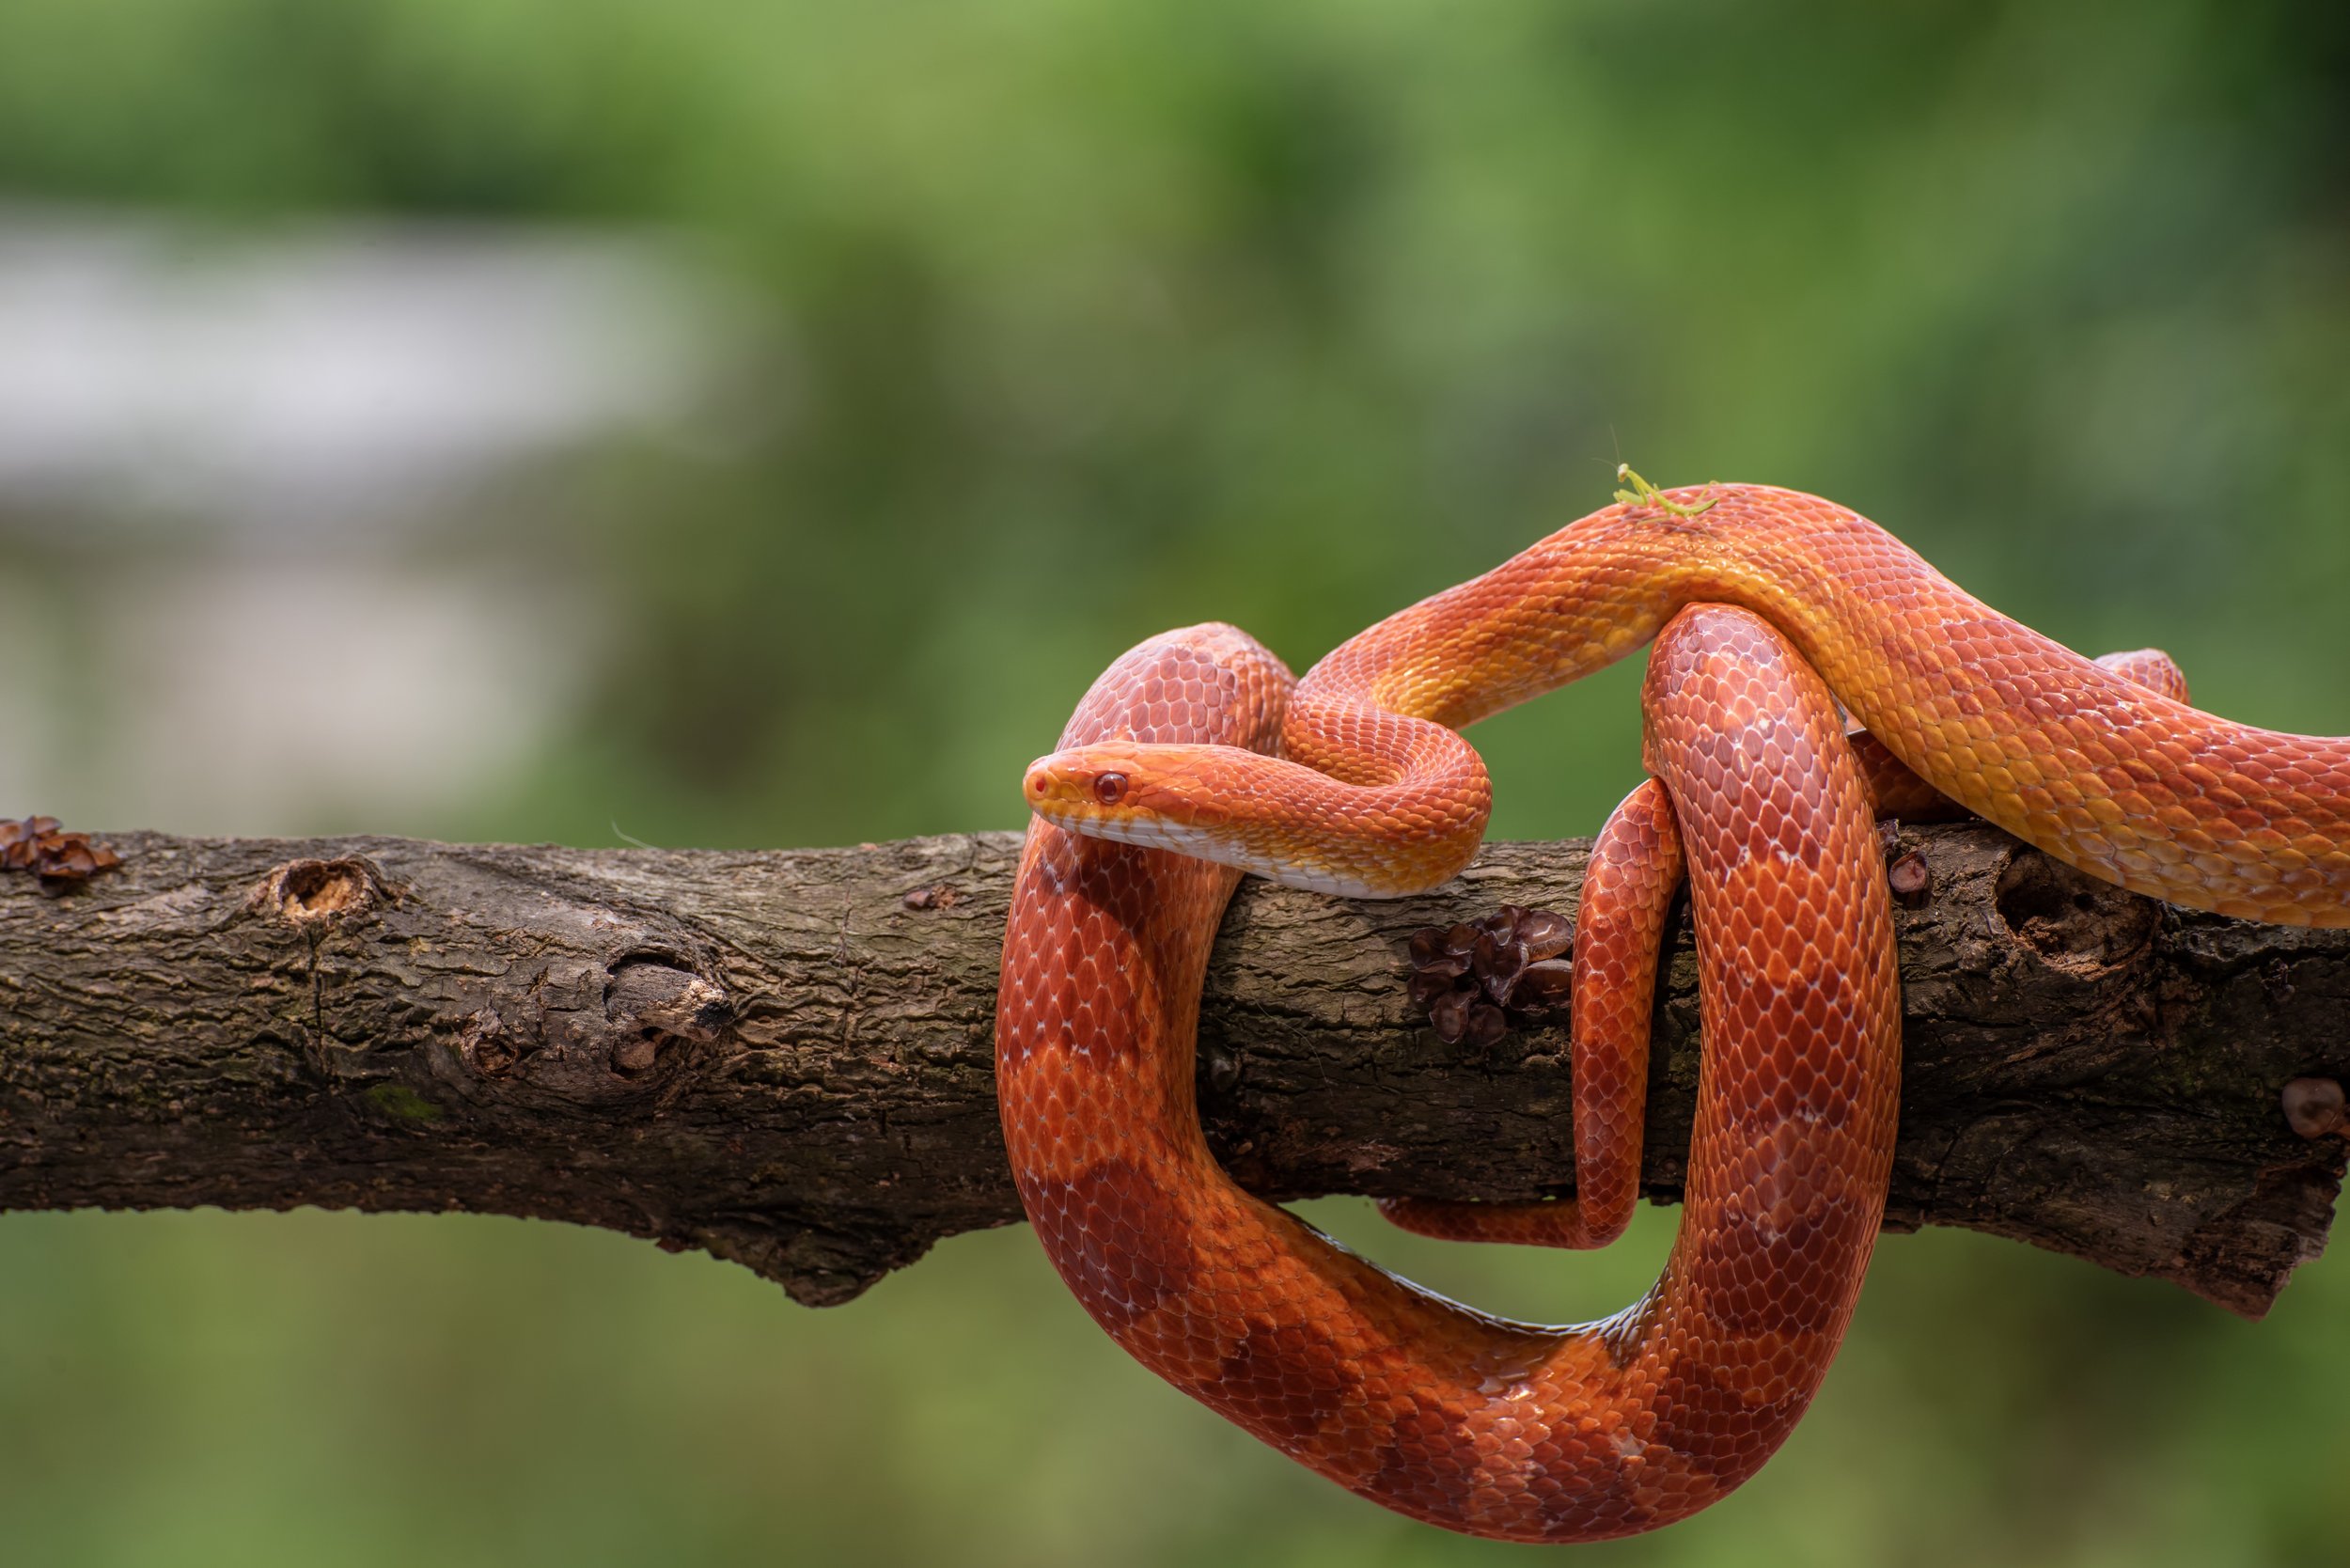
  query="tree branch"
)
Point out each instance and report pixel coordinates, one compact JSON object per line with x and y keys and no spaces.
{"x":786,"y":1058}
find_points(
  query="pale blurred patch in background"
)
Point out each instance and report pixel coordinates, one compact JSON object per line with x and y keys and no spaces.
{"x":725,"y":424}
{"x":274,"y":492}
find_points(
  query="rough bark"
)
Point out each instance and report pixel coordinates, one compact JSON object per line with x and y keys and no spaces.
{"x":785,"y":1058}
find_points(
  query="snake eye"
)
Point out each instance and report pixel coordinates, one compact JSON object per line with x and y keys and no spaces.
{"x":1109,"y":788}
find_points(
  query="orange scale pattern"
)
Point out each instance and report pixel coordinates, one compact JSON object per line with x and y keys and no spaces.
{"x":1374,"y":794}
{"x":1455,"y":1417}
{"x":1761,"y":605}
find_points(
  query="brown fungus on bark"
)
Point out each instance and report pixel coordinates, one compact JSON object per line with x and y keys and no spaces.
{"x":2314,"y":1108}
{"x":1477,"y":979}
{"x":1910,"y":878}
{"x":59,"y":858}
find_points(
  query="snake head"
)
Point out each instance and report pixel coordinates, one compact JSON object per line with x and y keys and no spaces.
{"x":1131,"y":793}
{"x":1260,"y":813}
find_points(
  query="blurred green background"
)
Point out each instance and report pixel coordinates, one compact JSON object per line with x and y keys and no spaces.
{"x":752,"y":424}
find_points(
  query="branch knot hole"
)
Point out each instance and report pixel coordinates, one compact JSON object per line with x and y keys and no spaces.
{"x":2074,"y":922}
{"x":306,"y":891}
{"x":654,"y":1001}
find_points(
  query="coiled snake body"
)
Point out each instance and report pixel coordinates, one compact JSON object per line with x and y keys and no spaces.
{"x":1767,"y":602}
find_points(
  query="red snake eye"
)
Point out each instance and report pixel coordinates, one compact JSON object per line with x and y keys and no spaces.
{"x":1109,"y":788}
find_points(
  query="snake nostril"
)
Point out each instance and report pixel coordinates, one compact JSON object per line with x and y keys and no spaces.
{"x":1109,"y":788}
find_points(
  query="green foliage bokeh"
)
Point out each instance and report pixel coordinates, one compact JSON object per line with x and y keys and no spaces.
{"x":1089,"y":320}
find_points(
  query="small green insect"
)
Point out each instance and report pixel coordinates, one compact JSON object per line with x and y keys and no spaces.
{"x":1643,"y":493}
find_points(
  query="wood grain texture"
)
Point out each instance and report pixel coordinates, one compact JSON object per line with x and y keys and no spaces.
{"x":786,"y":1058}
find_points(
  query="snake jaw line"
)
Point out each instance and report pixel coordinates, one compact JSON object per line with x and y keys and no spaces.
{"x":1643,"y":493}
